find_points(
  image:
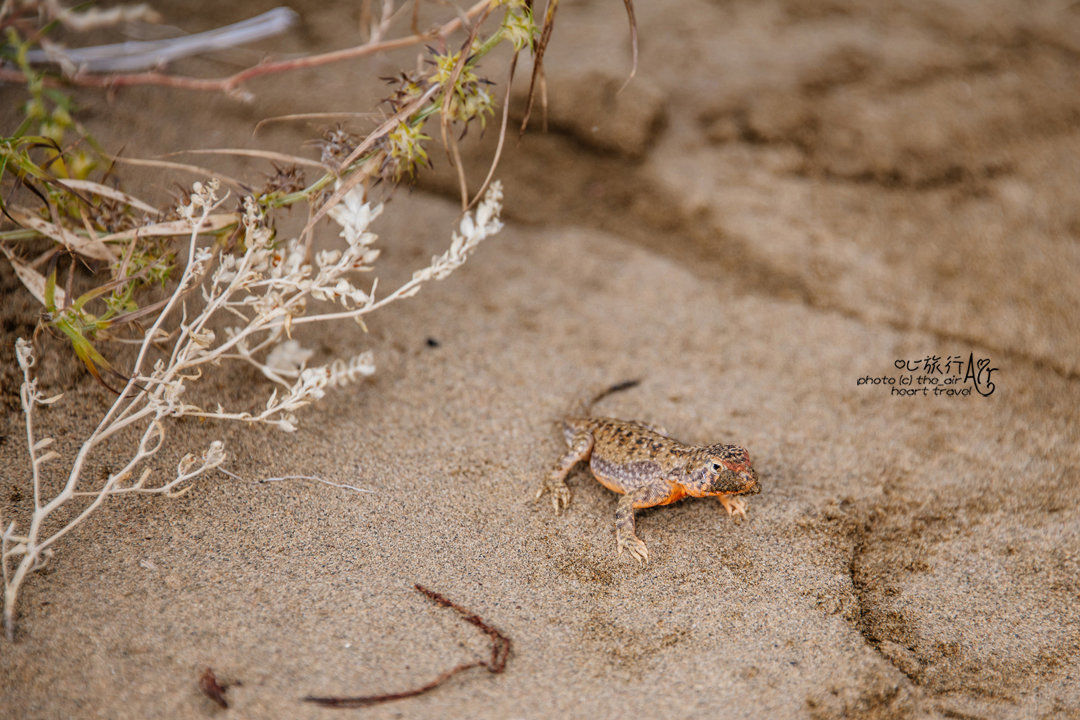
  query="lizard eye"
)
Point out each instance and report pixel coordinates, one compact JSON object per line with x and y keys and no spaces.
{"x":716,"y":467}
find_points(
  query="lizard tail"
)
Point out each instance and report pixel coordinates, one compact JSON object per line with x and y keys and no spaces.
{"x":584,"y":409}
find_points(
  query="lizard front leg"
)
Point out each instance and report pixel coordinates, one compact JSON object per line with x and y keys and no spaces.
{"x":581,"y":444}
{"x":625,"y":537}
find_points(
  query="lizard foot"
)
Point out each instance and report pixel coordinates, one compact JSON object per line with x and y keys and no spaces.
{"x":560,"y":495}
{"x":634,"y":545}
{"x":733,"y":505}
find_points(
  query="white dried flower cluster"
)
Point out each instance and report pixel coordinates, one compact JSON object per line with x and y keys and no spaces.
{"x":24,"y":354}
{"x":265,"y":292}
{"x":163,"y":392}
{"x":288,"y":357}
{"x":470,"y":233}
{"x":354,"y":215}
{"x":203,"y":197}
{"x":276,"y":278}
{"x":194,"y":465}
{"x":342,"y":372}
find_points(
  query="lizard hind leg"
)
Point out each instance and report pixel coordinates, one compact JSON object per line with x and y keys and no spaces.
{"x":581,"y":444}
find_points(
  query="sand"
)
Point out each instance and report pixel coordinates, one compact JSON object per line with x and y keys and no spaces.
{"x":795,"y":196}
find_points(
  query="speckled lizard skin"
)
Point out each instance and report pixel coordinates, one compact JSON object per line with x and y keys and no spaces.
{"x":647,"y":468}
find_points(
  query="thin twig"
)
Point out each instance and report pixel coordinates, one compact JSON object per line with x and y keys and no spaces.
{"x":449,"y":141}
{"x":538,"y":63}
{"x":233,"y":82}
{"x":261,"y":154}
{"x":633,"y":42}
{"x":496,"y":664}
{"x":283,"y":478}
{"x":312,"y":116}
{"x":193,"y":169}
{"x":502,"y":134}
{"x":140,"y":55}
{"x":366,"y":700}
{"x":500,"y":644}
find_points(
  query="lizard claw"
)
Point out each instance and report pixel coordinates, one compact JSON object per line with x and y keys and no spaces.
{"x":734,"y":506}
{"x":560,"y":496}
{"x":635,"y":547}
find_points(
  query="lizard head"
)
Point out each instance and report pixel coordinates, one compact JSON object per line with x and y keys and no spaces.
{"x":721,"y":470}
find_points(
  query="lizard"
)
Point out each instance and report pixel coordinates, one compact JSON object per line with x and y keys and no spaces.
{"x":647,"y":467}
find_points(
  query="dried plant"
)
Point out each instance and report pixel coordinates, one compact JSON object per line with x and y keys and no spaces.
{"x":165,"y":280}
{"x":263,"y":293}
{"x":64,"y":190}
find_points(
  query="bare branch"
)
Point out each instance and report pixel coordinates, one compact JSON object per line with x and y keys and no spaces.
{"x":232,"y":83}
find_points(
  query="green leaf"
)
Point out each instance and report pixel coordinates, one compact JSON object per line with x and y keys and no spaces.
{"x":50,"y":292}
{"x":86,"y":352}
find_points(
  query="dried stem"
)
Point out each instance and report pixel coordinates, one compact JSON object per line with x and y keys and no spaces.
{"x":502,"y":133}
{"x":496,"y":664}
{"x":233,"y":82}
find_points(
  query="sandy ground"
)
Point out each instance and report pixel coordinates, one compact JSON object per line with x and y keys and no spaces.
{"x":790,"y":196}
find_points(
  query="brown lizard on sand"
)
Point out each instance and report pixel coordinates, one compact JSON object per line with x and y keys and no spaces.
{"x":647,"y":468}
